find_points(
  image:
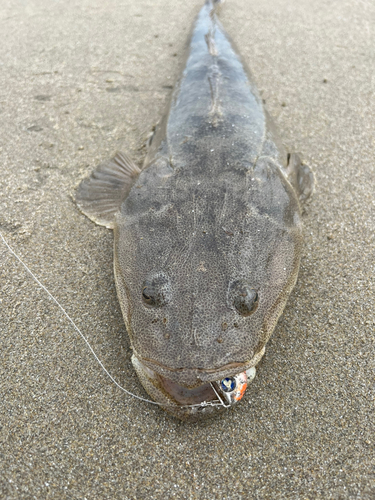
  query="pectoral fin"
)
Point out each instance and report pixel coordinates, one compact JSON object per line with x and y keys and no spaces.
{"x":300,"y":176}
{"x":100,"y":195}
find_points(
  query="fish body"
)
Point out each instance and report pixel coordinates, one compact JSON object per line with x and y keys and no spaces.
{"x":207,"y":235}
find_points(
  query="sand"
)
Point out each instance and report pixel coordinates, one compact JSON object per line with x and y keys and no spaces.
{"x":81,"y":79}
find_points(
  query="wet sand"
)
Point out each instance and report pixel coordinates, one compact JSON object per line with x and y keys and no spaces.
{"x":80,"y":80}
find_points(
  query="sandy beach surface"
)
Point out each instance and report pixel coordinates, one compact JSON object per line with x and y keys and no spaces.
{"x":82,"y":79}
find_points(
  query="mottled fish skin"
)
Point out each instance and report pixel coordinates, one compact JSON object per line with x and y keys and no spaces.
{"x":213,"y":207}
{"x":213,"y":210}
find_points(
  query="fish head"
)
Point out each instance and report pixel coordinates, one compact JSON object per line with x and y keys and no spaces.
{"x":202,"y":288}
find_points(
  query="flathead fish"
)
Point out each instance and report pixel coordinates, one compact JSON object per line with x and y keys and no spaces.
{"x":207,"y":234}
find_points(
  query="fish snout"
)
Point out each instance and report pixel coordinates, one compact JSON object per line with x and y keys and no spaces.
{"x":194,"y":403}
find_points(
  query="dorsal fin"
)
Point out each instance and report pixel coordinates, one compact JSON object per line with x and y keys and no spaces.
{"x":100,"y":195}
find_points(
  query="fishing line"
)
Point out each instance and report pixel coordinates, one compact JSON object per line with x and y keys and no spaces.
{"x":203,"y":404}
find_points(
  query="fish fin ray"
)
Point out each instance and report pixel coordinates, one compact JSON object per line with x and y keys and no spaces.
{"x":100,"y":195}
{"x":300,"y":176}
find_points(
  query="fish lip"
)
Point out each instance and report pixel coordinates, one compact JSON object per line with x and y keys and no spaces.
{"x":172,"y":395}
{"x":191,"y":378}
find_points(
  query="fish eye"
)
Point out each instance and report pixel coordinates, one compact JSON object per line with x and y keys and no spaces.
{"x":244,"y":298}
{"x":228,"y":384}
{"x":246,"y":302}
{"x":156,"y":291}
{"x":147,"y":296}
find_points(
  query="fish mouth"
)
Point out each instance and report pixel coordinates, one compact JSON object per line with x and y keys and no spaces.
{"x":184,"y":396}
{"x":195,"y":377}
{"x":193,"y":403}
